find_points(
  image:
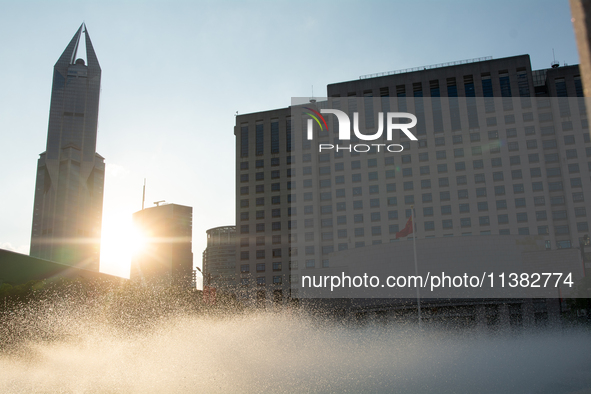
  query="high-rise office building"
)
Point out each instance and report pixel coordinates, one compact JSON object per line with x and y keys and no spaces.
{"x":219,"y":258}
{"x":165,"y":256}
{"x":497,"y":154}
{"x":68,"y":206}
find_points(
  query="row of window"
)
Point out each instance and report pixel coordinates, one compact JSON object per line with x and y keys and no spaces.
{"x":427,"y":211}
{"x":462,"y":194}
{"x":261,"y":280}
{"x":521,"y":217}
{"x":424,"y":170}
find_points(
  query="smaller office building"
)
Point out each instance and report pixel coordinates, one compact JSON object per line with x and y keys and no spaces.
{"x":166,"y":256}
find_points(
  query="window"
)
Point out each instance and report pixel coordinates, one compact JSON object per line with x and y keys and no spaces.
{"x":484,"y":220}
{"x":496,"y":162}
{"x":427,"y":197}
{"x":465,"y":222}
{"x":440,"y":154}
{"x":519,"y":202}
{"x":406,"y":172}
{"x":518,"y":188}
{"x":499,"y":190}
{"x":513,"y":146}
{"x":446,"y":209}
{"x":447,"y":224}
{"x":498,"y":176}
{"x":439,"y":141}
{"x":479,"y":178}
{"x":462,"y":194}
{"x":516,"y":174}
{"x":501,"y":204}
{"x":533,"y":158}
{"x":482,"y":206}
{"x":576,"y":182}
{"x":428,"y":211}
{"x":424,"y":156}
{"x":573,"y":168}
{"x":464,"y":208}
{"x":441,"y":168}
{"x":569,"y":140}
{"x":444,"y":196}
{"x":549,"y":144}
{"x":522,"y":217}
{"x":514,"y":160}
{"x":460,"y":166}
{"x":476,"y":150}
{"x":555,"y":186}
{"x":474,"y":137}
{"x":459,"y":152}
{"x":481,"y":192}
{"x":405,"y":159}
{"x":477,"y":164}
{"x":503,"y":218}
{"x":541,"y":215}
{"x":260,"y":266}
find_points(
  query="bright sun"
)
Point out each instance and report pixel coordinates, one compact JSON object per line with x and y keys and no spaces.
{"x":120,"y":239}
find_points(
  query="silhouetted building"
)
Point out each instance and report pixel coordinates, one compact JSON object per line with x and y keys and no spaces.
{"x":166,"y":256}
{"x":219,"y":258}
{"x":70,"y":174}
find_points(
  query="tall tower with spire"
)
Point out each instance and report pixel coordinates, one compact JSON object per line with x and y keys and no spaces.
{"x":70,"y":174}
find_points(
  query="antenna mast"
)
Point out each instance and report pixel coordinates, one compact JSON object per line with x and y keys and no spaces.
{"x":144,"y":194}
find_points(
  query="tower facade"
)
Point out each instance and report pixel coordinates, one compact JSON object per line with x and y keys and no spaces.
{"x":166,"y":257}
{"x":70,"y":174}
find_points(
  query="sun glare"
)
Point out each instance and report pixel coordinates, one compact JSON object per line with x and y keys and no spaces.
{"x":120,"y":240}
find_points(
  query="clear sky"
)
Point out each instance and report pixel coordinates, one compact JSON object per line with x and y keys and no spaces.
{"x":174,"y":74}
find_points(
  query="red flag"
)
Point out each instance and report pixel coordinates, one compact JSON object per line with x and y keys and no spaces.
{"x":406,"y":230}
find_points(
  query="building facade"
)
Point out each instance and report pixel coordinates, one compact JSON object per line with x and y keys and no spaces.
{"x":67,"y":212}
{"x":166,"y":256}
{"x":219,"y":258}
{"x":501,"y":150}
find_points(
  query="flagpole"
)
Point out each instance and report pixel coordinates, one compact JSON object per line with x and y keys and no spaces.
{"x":414,"y":247}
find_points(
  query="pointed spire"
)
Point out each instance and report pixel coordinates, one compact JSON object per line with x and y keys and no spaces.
{"x":93,"y":64}
{"x":69,"y":54}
